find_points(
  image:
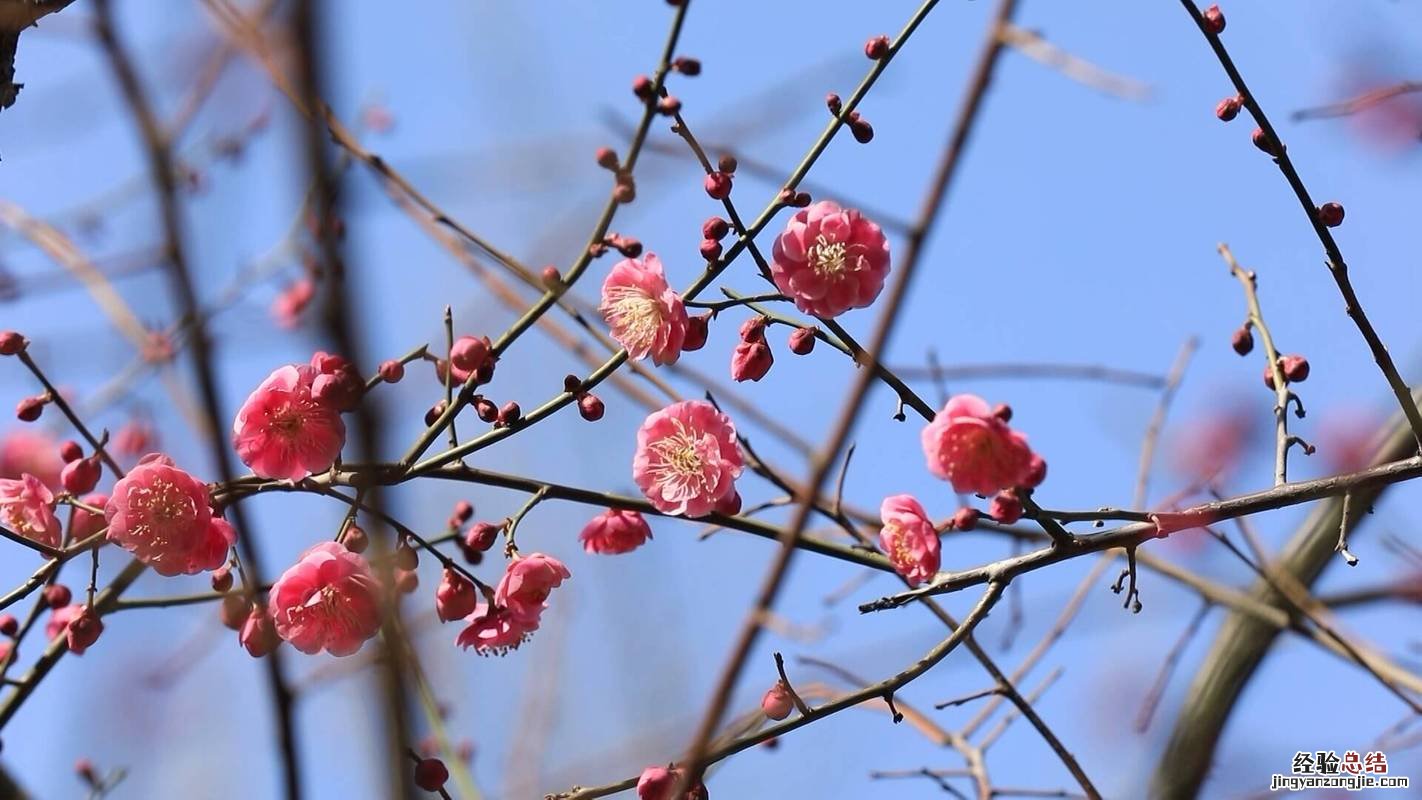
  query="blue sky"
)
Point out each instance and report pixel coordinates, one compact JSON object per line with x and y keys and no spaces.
{"x":1081,"y":229}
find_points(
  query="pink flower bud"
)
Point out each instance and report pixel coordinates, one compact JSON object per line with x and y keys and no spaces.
{"x":221,"y":579}
{"x":777,"y":703}
{"x":29,"y":409}
{"x":1261,"y":141}
{"x":965,"y":519}
{"x":606,"y":158}
{"x":57,"y":596}
{"x":727,"y":163}
{"x":669,"y":106}
{"x":81,"y":476}
{"x":9,"y":626}
{"x":233,"y":611}
{"x":642,"y":87}
{"x":1228,"y":108}
{"x":860,"y":127}
{"x":753,"y":329}
{"x":833,"y":103}
{"x":877,"y":47}
{"x":463,"y":510}
{"x":690,"y":67}
{"x":431,"y":774}
{"x":455,"y":597}
{"x":392,"y":371}
{"x":435,"y":411}
{"x":69,"y":450}
{"x":715,"y":228}
{"x":1036,"y":472}
{"x":730,"y":505}
{"x":1295,"y":368}
{"x":551,"y":278}
{"x":1005,"y":507}
{"x":718,"y":185}
{"x":751,"y":361}
{"x":1242,"y":341}
{"x":590,"y":407}
{"x":481,"y":536}
{"x":83,"y":631}
{"x":509,"y":414}
{"x":12,"y":343}
{"x":1331,"y":214}
{"x":697,"y":329}
{"x":258,"y":634}
{"x":468,"y":355}
{"x":486,"y":409}
{"x":802,"y":341}
{"x":1214,"y":20}
{"x":710,"y":249}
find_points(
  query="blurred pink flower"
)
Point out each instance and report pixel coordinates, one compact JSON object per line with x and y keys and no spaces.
{"x":134,"y":438}
{"x":909,"y":539}
{"x":830,"y":260}
{"x":614,"y":531}
{"x":646,"y":316}
{"x":84,"y":523}
{"x":292,"y":301}
{"x":1208,"y":448}
{"x":687,"y":458}
{"x":163,"y":516}
{"x":327,"y":600}
{"x":23,"y":451}
{"x":975,"y":450}
{"x":526,"y":584}
{"x":27,"y":508}
{"x":283,"y":432}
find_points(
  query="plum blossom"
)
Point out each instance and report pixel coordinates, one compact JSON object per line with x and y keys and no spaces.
{"x":283,"y":432}
{"x":830,"y":260}
{"x":687,"y":458}
{"x":27,"y":508}
{"x":163,"y":516}
{"x":494,"y":630}
{"x":288,"y":306}
{"x":974,"y":449}
{"x":328,"y":600}
{"x":614,"y":531}
{"x":909,"y":538}
{"x":646,"y":316}
{"x":526,"y":584}
{"x":23,"y":451}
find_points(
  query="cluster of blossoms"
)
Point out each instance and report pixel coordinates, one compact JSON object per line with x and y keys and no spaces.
{"x":290,"y":426}
{"x":519,"y":601}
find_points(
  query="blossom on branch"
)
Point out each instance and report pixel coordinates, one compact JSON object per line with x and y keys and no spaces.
{"x":646,"y":316}
{"x":283,"y":431}
{"x":687,"y":458}
{"x":973,"y":448}
{"x":327,"y":601}
{"x":27,"y":508}
{"x":162,"y":515}
{"x":830,"y":260}
{"x":614,"y":531}
{"x":909,"y":538}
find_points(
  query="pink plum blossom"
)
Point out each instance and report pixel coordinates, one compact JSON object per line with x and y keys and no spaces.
{"x":283,"y":432}
{"x":830,"y":259}
{"x":526,"y":584}
{"x":646,"y":316}
{"x":27,"y":508}
{"x":163,"y":516}
{"x":494,"y":630}
{"x":614,"y":531}
{"x":909,"y":538}
{"x":23,"y":451}
{"x":687,"y":458}
{"x":288,"y":306}
{"x":328,"y":600}
{"x":974,"y":449}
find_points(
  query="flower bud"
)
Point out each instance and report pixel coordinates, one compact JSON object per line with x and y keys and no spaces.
{"x":434,"y":413}
{"x":1269,"y":377}
{"x":405,"y":556}
{"x":642,"y":87}
{"x":727,"y":164}
{"x":753,"y":329}
{"x":751,"y":361}
{"x":860,"y":127}
{"x":715,"y":228}
{"x":801,"y":200}
{"x":550,"y":277}
{"x":1003,"y":412}
{"x":802,"y":341}
{"x":625,"y":191}
{"x":233,"y":611}
{"x":455,"y":597}
{"x":877,"y":47}
{"x":355,"y":538}
{"x":590,"y":407}
{"x":1295,"y":368}
{"x":697,"y":329}
{"x":730,"y":505}
{"x":1005,"y":507}
{"x":710,"y":249}
{"x":221,"y":579}
{"x":467,"y":355}
{"x":392,"y":371}
{"x":1331,"y":214}
{"x":572,"y":383}
{"x":777,"y":703}
{"x":1214,"y":20}
{"x":83,"y":631}
{"x":481,"y":536}
{"x":509,"y":414}
{"x":431,"y":774}
{"x":965,"y":519}
{"x":1261,"y":141}
{"x":57,"y":596}
{"x":29,"y":409}
{"x":9,"y":626}
{"x":669,"y":106}
{"x":406,"y":581}
{"x":1228,"y":108}
{"x":81,"y":476}
{"x":12,"y":343}
{"x":463,"y":510}
{"x":718,"y":185}
{"x":690,"y":67}
{"x":1036,"y":472}
{"x":1242,"y":341}
{"x":486,"y":409}
{"x":69,"y":450}
{"x":833,"y":103}
{"x":606,"y":158}
{"x":259,"y":634}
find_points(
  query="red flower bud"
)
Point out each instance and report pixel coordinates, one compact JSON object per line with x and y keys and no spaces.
{"x":509,"y":414}
{"x":860,"y":127}
{"x":221,"y":579}
{"x":259,"y":634}
{"x":81,"y":476}
{"x":391,"y":371}
{"x":233,"y":611}
{"x":642,"y":87}
{"x":1295,"y":368}
{"x":9,"y":626}
{"x":802,"y":341}
{"x":832,"y":102}
{"x":431,"y":774}
{"x":718,"y":185}
{"x":727,"y":163}
{"x":550,"y":277}
{"x":1214,"y":20}
{"x":486,"y":409}
{"x":965,"y":519}
{"x":1228,"y":108}
{"x":1331,"y":214}
{"x":1005,"y":507}
{"x":1261,"y":141}
{"x":83,"y":631}
{"x":801,"y":200}
{"x":57,"y":596}
{"x":481,"y":536}
{"x":1242,"y":341}
{"x":624,"y":192}
{"x":29,"y":409}
{"x":668,"y":106}
{"x":455,"y":597}
{"x":697,"y":330}
{"x":606,"y":158}
{"x":751,"y":361}
{"x":463,"y":510}
{"x":69,"y":450}
{"x":777,"y":703}
{"x":355,"y":538}
{"x":710,"y":249}
{"x":715,"y":228}
{"x":730,"y":505}
{"x":690,"y":67}
{"x":11,"y":343}
{"x":434,"y":413}
{"x":590,"y":407}
{"x":877,"y":47}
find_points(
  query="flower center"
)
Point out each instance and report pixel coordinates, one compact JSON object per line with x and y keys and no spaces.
{"x":637,"y":314}
{"x":679,"y":459}
{"x":162,"y":510}
{"x":829,"y":259}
